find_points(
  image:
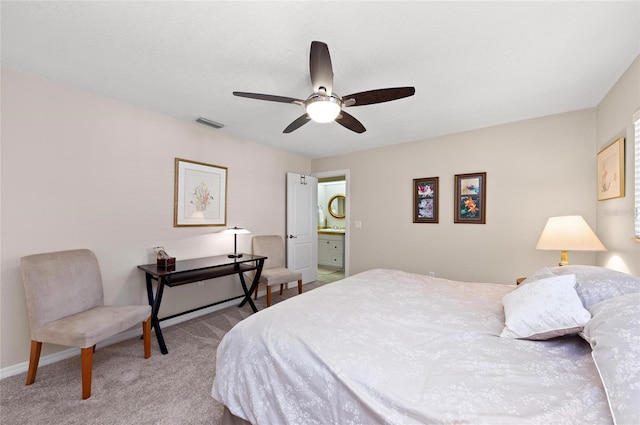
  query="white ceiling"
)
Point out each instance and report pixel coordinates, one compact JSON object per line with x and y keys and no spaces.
{"x":473,"y":64}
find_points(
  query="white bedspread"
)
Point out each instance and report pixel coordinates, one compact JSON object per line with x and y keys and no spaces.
{"x":389,"y":347}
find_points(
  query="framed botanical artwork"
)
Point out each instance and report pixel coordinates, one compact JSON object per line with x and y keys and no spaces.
{"x":470,"y":198}
{"x":200,"y":194}
{"x":611,"y":171}
{"x":425,"y":200}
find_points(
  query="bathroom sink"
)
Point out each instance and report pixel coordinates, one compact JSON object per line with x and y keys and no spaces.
{"x":329,"y":230}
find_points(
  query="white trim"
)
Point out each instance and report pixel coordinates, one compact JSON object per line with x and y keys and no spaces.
{"x":132,"y":333}
{"x":347,"y":236}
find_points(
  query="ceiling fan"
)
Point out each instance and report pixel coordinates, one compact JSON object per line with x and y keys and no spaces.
{"x":324,"y":105}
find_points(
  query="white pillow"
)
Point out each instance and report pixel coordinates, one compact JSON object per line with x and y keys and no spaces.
{"x":544,"y":309}
{"x":597,"y":284}
{"x":538,"y":275}
{"x":614,"y":335}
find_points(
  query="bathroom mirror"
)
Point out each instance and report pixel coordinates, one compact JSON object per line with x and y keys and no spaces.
{"x":337,"y":206}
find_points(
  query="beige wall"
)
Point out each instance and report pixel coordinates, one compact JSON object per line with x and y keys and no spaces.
{"x":535,"y":169}
{"x":615,"y":216}
{"x":79,"y":170}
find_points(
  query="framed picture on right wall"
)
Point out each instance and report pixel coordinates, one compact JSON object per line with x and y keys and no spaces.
{"x":470,"y":198}
{"x":611,"y":171}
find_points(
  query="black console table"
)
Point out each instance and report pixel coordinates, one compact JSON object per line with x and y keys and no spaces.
{"x":196,"y":270}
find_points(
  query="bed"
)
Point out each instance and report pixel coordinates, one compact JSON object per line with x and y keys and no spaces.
{"x":390,"y":347}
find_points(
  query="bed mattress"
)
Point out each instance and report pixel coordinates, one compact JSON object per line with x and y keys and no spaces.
{"x":390,"y":347}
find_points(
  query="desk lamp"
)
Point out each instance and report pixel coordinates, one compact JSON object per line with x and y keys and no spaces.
{"x":568,"y":233}
{"x":236,"y":231}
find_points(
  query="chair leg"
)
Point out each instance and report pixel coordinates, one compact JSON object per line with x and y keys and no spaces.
{"x":281,"y":288}
{"x":268,"y":295}
{"x":86,"y":358}
{"x":146,"y":336}
{"x":34,"y":359}
{"x":300,"y":286}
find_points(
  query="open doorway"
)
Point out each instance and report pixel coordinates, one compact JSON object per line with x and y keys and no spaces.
{"x":333,"y":225}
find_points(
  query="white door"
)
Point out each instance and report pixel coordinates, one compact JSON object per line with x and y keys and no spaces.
{"x":302,"y":225}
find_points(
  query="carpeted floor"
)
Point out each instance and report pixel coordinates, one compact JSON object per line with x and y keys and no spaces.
{"x":127,"y":389}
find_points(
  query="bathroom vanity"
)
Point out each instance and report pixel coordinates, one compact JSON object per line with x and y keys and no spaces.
{"x":331,"y":248}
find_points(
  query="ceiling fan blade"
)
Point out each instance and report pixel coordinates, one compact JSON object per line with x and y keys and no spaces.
{"x":377,"y":96}
{"x":268,"y":97}
{"x":320,"y":67}
{"x":299,"y":122}
{"x":348,"y":121}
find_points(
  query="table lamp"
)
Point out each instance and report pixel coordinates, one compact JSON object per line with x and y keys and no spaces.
{"x":568,"y":233}
{"x":236,"y":231}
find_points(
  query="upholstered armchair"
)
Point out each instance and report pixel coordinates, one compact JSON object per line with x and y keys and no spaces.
{"x":274,"y":271}
{"x":66,"y":307}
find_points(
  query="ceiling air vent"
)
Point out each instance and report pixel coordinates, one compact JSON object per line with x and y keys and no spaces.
{"x":210,"y":123}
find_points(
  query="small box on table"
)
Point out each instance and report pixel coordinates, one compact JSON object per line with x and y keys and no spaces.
{"x":166,"y":262}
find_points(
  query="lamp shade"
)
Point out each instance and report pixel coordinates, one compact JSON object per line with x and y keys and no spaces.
{"x":568,"y":233}
{"x":235,"y":230}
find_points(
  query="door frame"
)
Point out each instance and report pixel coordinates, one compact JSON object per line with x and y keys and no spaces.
{"x":347,"y":234}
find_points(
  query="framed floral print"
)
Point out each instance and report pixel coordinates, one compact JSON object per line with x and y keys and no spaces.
{"x":200,"y":194}
{"x":611,"y":171}
{"x":470,"y":198}
{"x":425,"y":200}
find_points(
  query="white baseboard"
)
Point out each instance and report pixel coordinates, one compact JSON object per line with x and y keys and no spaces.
{"x":132,"y":333}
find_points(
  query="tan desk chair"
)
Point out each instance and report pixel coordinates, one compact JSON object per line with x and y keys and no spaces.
{"x":274,"y":271}
{"x":66,"y":307}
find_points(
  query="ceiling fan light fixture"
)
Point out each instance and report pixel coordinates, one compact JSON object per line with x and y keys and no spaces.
{"x":324,"y":105}
{"x":323,"y":108}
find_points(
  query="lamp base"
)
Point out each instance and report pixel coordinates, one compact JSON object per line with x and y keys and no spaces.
{"x":564,"y":259}
{"x":234,"y":255}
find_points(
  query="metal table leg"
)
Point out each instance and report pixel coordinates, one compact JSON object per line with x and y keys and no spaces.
{"x":254,"y":285}
{"x":247,"y":293}
{"x":155,"y":308}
